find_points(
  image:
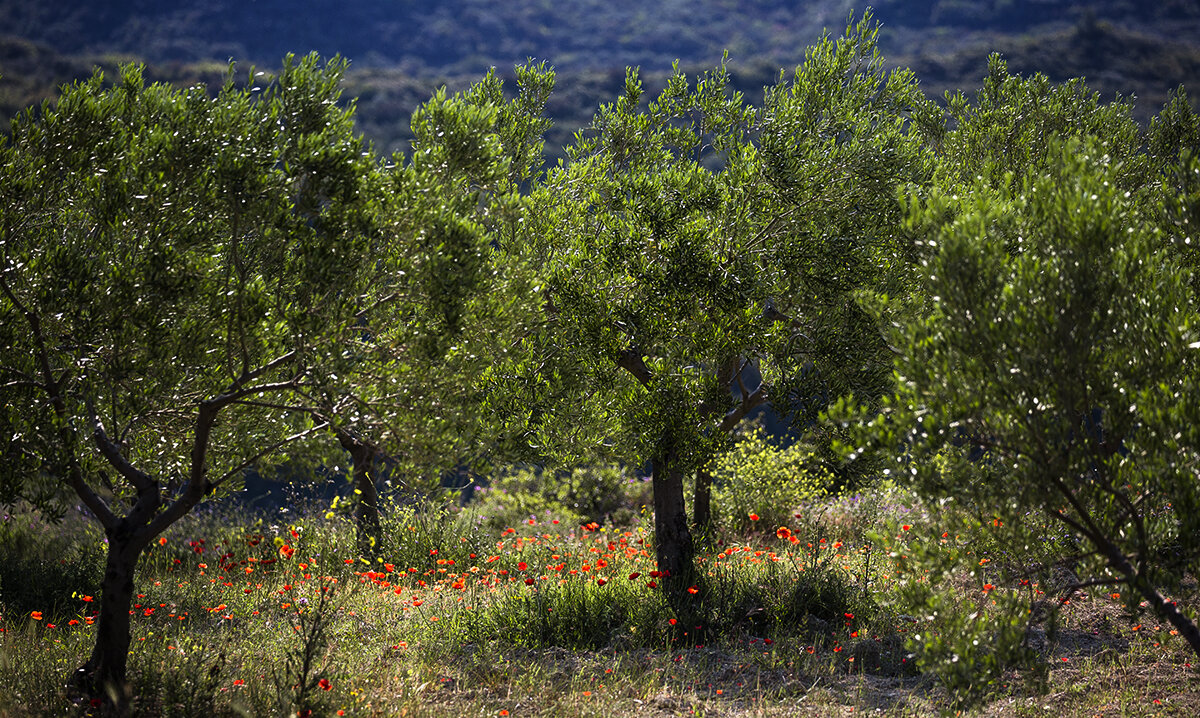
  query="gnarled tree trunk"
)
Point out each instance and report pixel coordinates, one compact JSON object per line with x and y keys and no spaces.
{"x":105,"y":672}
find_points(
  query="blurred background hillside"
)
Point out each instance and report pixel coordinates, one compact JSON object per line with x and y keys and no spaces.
{"x":401,"y":50}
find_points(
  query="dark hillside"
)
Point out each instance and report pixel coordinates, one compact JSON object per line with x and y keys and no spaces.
{"x":428,"y":37}
{"x":403,"y":49}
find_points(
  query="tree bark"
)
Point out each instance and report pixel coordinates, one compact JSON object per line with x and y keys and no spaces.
{"x":367,"y":525}
{"x":672,"y":538}
{"x":104,"y":674}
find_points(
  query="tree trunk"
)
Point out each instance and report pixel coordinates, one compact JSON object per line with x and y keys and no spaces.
{"x":104,"y":674}
{"x":702,"y":504}
{"x":672,"y":539}
{"x":367,"y":526}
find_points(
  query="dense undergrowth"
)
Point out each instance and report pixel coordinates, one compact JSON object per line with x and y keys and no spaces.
{"x":840,"y":607}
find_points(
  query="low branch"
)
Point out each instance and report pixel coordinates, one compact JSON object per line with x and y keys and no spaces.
{"x":631,"y":361}
{"x":53,"y":388}
{"x":109,"y":449}
{"x":91,"y":499}
{"x":1066,"y":591}
{"x":748,"y":403}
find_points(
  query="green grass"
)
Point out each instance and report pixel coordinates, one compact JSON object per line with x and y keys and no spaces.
{"x":456,"y":617}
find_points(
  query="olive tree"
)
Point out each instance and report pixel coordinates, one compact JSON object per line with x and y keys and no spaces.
{"x":1058,"y":370}
{"x":417,"y":391}
{"x":693,"y":239}
{"x":178,"y":273}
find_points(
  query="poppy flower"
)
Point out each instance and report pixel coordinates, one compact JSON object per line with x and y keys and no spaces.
{"x":324,"y":683}
{"x":35,"y":615}
{"x":783,"y":532}
{"x":754,"y":517}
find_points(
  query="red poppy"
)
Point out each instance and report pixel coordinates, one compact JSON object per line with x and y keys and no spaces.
{"x":754,"y":517}
{"x":783,"y":532}
{"x":324,"y":683}
{"x":521,"y":566}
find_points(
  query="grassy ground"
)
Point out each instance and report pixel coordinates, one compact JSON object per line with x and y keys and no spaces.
{"x":247,"y":616}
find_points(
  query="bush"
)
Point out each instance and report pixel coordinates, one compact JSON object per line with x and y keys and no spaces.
{"x":605,"y":494}
{"x":755,"y":477}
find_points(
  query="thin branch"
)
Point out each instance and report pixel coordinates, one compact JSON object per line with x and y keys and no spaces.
{"x":139,"y":479}
{"x":379,"y":302}
{"x":281,"y":407}
{"x":269,"y":450}
{"x":248,"y":376}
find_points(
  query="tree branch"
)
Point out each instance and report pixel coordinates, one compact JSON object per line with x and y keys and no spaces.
{"x":631,"y":361}
{"x":748,"y":403}
{"x":109,"y":449}
{"x":270,"y":449}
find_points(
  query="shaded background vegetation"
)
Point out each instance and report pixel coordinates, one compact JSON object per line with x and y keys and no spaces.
{"x":402,"y":50}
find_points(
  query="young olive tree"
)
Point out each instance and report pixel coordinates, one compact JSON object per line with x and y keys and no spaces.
{"x":178,"y":272}
{"x":1062,"y":348}
{"x":690,"y":240}
{"x":416,"y":393}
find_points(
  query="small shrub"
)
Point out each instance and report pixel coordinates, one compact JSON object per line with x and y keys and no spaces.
{"x":757,"y":478}
{"x":605,"y":494}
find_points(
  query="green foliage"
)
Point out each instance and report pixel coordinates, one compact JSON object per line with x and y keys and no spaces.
{"x":578,"y":616}
{"x":606,"y":494}
{"x":1058,"y":350}
{"x":756,"y":477}
{"x":1009,"y":125}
